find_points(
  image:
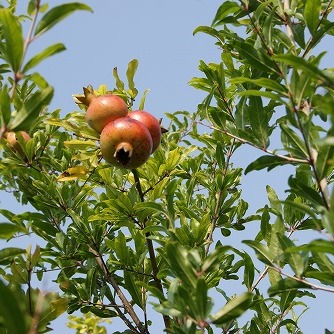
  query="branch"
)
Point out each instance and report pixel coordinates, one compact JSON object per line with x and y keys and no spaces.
{"x":155,"y":269}
{"x":244,"y":141}
{"x":128,"y":307}
{"x":301,"y":280}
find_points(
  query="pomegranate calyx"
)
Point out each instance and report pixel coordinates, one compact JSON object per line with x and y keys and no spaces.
{"x":123,"y":153}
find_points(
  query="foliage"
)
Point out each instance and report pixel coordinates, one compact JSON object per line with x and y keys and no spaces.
{"x":120,"y":240}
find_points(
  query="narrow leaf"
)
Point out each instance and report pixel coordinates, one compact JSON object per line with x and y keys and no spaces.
{"x":312,"y":15}
{"x":266,"y":161}
{"x":57,"y":14}
{"x":31,"y":109}
{"x":10,"y":311}
{"x":286,"y":285}
{"x":131,"y":71}
{"x":5,"y":110}
{"x":10,"y":252}
{"x":233,"y":308}
{"x":12,"y":45}
{"x":48,"y":52}
{"x":262,"y":251}
{"x":306,"y":66}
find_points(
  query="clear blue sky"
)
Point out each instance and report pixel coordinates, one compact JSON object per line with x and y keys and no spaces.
{"x":159,"y":35}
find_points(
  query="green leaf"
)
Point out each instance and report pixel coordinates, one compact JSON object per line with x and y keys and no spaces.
{"x":306,"y":66}
{"x":10,"y":252}
{"x":233,"y":308}
{"x":325,"y":277}
{"x":286,"y":285}
{"x":143,"y":100}
{"x":320,"y":246}
{"x":203,"y":303}
{"x":312,"y":15}
{"x":292,"y":142}
{"x":259,"y":118}
{"x":227,"y":8}
{"x":249,"y":271}
{"x":286,"y":300}
{"x":304,"y":191}
{"x":10,"y":312}
{"x":297,"y":261}
{"x":262,"y":251}
{"x":266,"y":161}
{"x":12,"y":45}
{"x":79,"y":144}
{"x":119,"y":83}
{"x":31,"y":109}
{"x":48,"y":52}
{"x":130,"y":73}
{"x":57,"y":14}
{"x":7,"y":230}
{"x":269,"y":84}
{"x":5,"y":110}
{"x":257,"y":58}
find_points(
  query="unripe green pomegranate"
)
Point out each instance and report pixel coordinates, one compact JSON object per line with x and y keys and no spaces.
{"x":104,"y":109}
{"x":13,"y":142}
{"x":152,"y":124}
{"x":126,"y":143}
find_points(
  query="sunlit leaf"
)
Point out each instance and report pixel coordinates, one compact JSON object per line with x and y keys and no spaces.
{"x":48,"y":52}
{"x":130,"y":73}
{"x":312,"y":15}
{"x":5,"y":106}
{"x":262,"y":251}
{"x":31,"y":109}
{"x":12,"y":45}
{"x":307,"y":66}
{"x":9,"y":307}
{"x":73,"y":173}
{"x":267,"y":161}
{"x":286,"y":285}
{"x":233,"y":308}
{"x":57,"y":14}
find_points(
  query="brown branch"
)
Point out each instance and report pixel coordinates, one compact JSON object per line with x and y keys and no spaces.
{"x":149,"y":242}
{"x":301,"y":280}
{"x":128,"y":307}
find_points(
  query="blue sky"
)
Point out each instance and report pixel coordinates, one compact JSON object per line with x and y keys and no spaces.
{"x":159,"y":35}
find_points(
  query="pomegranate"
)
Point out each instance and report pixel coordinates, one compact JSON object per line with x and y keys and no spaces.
{"x":126,"y":143}
{"x":152,"y":124}
{"x":13,"y":142}
{"x":104,"y":109}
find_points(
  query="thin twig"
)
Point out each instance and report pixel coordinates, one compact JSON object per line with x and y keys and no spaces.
{"x":245,"y":141}
{"x":301,"y":280}
{"x":149,"y":242}
{"x":128,"y":307}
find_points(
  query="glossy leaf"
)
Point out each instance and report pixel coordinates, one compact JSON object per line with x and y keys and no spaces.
{"x":130,"y":73}
{"x":287,"y":285}
{"x":48,"y":52}
{"x":10,"y":311}
{"x":57,"y":14}
{"x":307,"y":67}
{"x":10,"y":252}
{"x":31,"y":109}
{"x":266,"y":161}
{"x":262,"y":251}
{"x":7,"y":230}
{"x":12,"y":47}
{"x":312,"y":15}
{"x":233,"y":308}
{"x":5,"y":106}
